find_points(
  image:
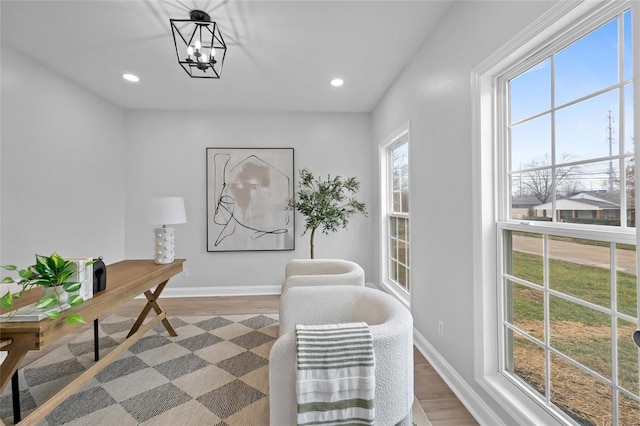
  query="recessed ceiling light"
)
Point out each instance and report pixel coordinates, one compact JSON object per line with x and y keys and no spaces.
{"x":337,"y":82}
{"x":131,"y":77}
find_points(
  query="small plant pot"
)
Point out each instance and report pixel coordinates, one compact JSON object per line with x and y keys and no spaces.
{"x":62,"y":295}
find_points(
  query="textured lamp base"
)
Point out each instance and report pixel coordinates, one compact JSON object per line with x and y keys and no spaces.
{"x":164,"y":245}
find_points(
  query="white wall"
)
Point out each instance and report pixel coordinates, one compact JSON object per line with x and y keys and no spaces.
{"x":434,"y":94}
{"x":61,"y":169}
{"x":165,"y":155}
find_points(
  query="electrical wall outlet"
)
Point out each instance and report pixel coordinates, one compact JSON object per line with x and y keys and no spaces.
{"x":441,"y":328}
{"x":185,"y":273}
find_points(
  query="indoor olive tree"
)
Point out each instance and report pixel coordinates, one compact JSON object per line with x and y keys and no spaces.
{"x":326,"y":204}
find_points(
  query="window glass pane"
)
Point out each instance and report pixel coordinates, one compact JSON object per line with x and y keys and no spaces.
{"x":401,"y":165}
{"x":407,"y":258}
{"x":402,"y":276}
{"x":526,"y":260}
{"x":396,"y":180}
{"x":626,"y":279}
{"x":581,"y":333}
{"x":534,"y":86}
{"x":531,"y":143}
{"x":408,"y":285}
{"x":400,"y":155}
{"x":396,"y":201}
{"x":629,"y":410}
{"x":401,"y":228}
{"x":393,"y":270}
{"x":582,"y":129}
{"x":406,"y":229}
{"x":592,"y":194}
{"x":585,"y":399}
{"x":628,"y":119}
{"x":393,"y":248}
{"x":405,"y":200}
{"x":588,"y":65}
{"x":393,"y":226}
{"x":630,"y":173}
{"x":527,"y":361}
{"x":628,"y":355}
{"x":523,"y":202}
{"x":628,"y":52}
{"x":580,"y":268}
{"x":402,"y":252}
{"x":527,"y":312}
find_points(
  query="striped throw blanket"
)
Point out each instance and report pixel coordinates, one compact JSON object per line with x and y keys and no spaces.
{"x":335,"y":374}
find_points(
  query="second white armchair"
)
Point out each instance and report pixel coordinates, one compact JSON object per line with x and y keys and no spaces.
{"x":315,"y":272}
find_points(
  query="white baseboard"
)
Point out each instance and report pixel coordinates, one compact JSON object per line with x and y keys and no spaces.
{"x":467,"y":396}
{"x":220,"y":291}
{"x":249,"y":290}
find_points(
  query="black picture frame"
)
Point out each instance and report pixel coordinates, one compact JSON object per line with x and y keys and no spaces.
{"x":247,"y":194}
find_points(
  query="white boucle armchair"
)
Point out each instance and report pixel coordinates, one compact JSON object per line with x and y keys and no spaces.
{"x":314,"y":272}
{"x":391,"y":327}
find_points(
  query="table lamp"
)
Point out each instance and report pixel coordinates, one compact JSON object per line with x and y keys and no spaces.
{"x":165,"y":211}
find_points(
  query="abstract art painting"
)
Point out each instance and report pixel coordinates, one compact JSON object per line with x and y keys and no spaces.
{"x":247,"y":194}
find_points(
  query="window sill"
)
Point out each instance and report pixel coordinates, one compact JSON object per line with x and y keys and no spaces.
{"x":521,"y":406}
{"x":402,"y":295}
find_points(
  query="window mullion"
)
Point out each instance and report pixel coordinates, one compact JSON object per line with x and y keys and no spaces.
{"x":547,"y":328}
{"x":614,"y":332}
{"x":503,"y":157}
{"x":621,"y":123}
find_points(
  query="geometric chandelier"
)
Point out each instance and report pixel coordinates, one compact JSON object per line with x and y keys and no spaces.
{"x":199,"y":45}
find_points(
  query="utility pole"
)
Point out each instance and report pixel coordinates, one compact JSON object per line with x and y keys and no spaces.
{"x":610,"y":141}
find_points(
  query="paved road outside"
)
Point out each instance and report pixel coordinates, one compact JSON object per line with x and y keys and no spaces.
{"x":578,"y":253}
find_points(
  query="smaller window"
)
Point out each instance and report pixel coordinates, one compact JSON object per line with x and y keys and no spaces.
{"x":395,"y":205}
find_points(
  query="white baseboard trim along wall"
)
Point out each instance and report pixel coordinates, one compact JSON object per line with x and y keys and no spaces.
{"x":248,"y":290}
{"x":220,"y":291}
{"x":469,"y":398}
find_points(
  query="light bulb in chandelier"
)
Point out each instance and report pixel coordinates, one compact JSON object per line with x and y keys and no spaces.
{"x":196,"y":45}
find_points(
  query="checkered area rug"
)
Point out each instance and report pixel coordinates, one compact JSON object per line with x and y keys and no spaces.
{"x":214,"y":372}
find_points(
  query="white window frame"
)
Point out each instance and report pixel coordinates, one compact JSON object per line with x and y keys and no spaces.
{"x":400,"y":135}
{"x":520,"y":404}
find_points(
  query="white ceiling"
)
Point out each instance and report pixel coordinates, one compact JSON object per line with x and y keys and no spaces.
{"x":280,"y":54}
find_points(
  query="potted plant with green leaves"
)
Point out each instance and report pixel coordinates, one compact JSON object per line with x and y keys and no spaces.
{"x":54,"y":274}
{"x":326,"y":204}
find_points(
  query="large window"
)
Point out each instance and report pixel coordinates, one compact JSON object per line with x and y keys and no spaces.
{"x":395,"y":181}
{"x":568,"y":285}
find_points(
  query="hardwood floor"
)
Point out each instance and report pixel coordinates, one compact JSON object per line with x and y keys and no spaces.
{"x":441,"y":405}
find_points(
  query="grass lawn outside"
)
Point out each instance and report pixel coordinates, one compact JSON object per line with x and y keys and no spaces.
{"x":579,"y":332}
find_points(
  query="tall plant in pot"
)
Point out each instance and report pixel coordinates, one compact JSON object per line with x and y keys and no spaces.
{"x":326,"y":204}
{"x":54,"y":274}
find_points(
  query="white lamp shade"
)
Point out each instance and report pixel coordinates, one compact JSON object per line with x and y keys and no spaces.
{"x":166,"y":211}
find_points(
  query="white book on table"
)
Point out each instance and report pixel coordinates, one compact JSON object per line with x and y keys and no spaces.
{"x":84,"y":275}
{"x":27,"y":313}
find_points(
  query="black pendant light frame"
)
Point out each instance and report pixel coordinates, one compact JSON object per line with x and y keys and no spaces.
{"x":199,"y":28}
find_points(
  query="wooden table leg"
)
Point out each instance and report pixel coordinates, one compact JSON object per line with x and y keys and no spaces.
{"x":10,"y":366}
{"x":152,"y":302}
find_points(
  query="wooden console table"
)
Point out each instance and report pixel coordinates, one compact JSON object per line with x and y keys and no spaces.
{"x":125,"y":280}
